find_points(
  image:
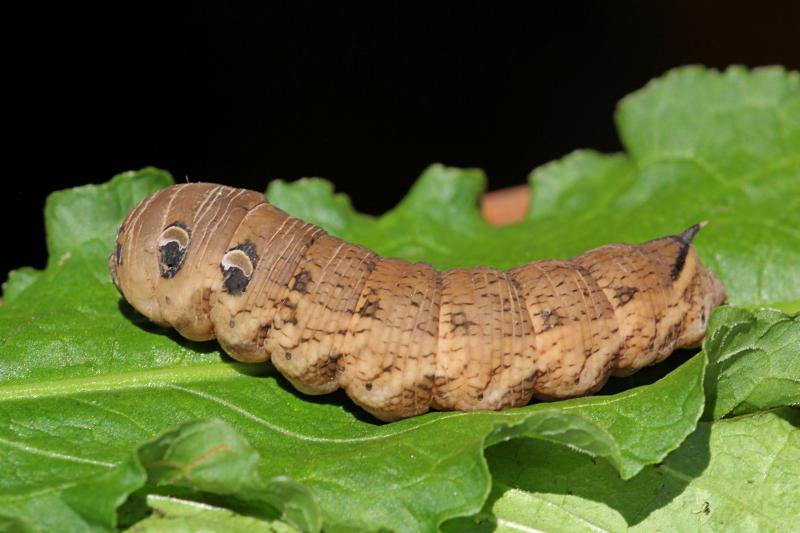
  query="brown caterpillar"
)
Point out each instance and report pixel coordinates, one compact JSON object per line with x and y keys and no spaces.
{"x":218,"y":262}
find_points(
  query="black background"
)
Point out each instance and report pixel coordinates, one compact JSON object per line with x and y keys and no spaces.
{"x":366,"y":96}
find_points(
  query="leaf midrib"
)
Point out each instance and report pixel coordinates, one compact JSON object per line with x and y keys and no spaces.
{"x":128,"y":380}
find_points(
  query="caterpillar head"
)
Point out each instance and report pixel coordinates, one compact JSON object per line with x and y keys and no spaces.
{"x":170,"y":256}
{"x":136,"y":262}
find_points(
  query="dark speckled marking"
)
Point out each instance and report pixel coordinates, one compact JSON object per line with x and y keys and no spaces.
{"x":624,"y":295}
{"x":551,"y":319}
{"x":370,"y":307}
{"x":301,"y":281}
{"x":459,"y":320}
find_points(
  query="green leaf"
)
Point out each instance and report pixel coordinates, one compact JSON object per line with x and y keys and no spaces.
{"x":101,"y":404}
{"x":755,"y":361}
{"x":93,"y":212}
{"x":77,"y":494}
{"x":85,"y":381}
{"x":180,"y":516}
{"x":19,"y":280}
{"x":209,"y":456}
{"x":739,"y":474}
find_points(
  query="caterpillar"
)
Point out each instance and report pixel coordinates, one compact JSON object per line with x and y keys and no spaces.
{"x":401,"y":338}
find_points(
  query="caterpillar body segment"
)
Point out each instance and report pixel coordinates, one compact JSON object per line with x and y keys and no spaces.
{"x":401,"y":338}
{"x":575,"y":336}
{"x":389,"y":354}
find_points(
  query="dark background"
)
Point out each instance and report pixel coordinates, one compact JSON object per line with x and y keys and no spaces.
{"x":366,"y":97}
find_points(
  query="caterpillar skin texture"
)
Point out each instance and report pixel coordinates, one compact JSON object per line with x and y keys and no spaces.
{"x":400,"y":338}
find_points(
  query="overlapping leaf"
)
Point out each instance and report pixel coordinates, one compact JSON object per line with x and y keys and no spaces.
{"x":741,"y":474}
{"x":182,"y":516}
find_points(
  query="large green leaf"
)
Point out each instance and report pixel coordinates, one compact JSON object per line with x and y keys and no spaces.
{"x":97,"y":403}
{"x":85,"y":381}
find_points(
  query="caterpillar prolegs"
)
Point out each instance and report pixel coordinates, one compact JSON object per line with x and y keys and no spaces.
{"x":400,"y":338}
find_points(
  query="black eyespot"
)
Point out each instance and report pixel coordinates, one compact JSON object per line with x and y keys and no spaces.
{"x":237,"y":266}
{"x":172,"y":246}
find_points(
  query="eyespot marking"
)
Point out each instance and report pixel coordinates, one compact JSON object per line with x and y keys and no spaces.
{"x":172,"y":244}
{"x":237,"y":266}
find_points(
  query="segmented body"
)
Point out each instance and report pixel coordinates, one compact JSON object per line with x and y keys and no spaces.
{"x":401,"y":338}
